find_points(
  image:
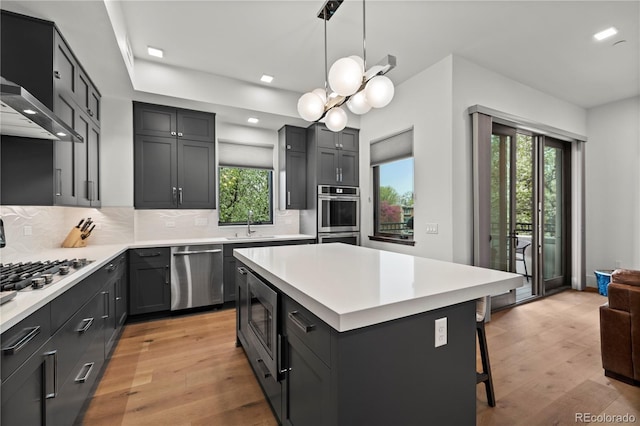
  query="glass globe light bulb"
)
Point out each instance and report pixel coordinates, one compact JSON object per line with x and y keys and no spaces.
{"x":336,"y":119}
{"x":345,"y":76}
{"x":321,"y":93}
{"x":358,"y":104}
{"x":379,"y":91}
{"x":310,"y":106}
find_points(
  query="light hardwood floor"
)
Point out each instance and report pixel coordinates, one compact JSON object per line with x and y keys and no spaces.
{"x":545,"y":358}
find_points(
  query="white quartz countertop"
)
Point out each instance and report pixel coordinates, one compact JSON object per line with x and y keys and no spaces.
{"x":27,"y":302}
{"x":350,"y":287}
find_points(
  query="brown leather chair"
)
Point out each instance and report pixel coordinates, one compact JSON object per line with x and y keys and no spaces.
{"x":620,"y":327}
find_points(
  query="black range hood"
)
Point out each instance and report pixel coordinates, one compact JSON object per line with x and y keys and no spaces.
{"x":25,"y":116}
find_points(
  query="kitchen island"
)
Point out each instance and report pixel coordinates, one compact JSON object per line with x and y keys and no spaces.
{"x":355,"y":334}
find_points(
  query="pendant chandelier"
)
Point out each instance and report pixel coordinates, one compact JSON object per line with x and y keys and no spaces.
{"x":347,"y":82}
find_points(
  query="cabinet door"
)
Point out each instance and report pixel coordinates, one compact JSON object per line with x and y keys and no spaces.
{"x":349,"y":168}
{"x":154,"y":120}
{"x":326,"y":138}
{"x":196,"y":125}
{"x":65,"y":69}
{"x":94,"y":109}
{"x":295,"y":139}
{"x":81,"y":159}
{"x":328,"y":164}
{"x":196,"y":175}
{"x":349,"y":139}
{"x":230,"y":286}
{"x":65,"y":177}
{"x":121,"y":293}
{"x":296,"y":177}
{"x":149,"y":287}
{"x":88,"y":97}
{"x":155,"y":164}
{"x":110,"y":317}
{"x":308,"y":386}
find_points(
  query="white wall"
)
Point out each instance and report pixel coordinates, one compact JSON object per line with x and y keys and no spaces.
{"x":435,"y":102}
{"x":424,"y":102}
{"x":613,"y":187}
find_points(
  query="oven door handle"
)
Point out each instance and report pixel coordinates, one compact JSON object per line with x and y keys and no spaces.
{"x":339,"y":197}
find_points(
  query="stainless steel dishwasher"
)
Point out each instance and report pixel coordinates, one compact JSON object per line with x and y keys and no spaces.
{"x":196,"y":276}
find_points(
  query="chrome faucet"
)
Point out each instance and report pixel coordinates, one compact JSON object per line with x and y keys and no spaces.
{"x":249,"y":231}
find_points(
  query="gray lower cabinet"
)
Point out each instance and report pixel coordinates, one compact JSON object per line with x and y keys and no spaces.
{"x":149,"y":280}
{"x":116,"y":297}
{"x":388,"y":373}
{"x":52,"y":359}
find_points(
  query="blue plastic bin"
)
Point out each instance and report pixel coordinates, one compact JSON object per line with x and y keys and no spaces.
{"x":603,"y":276}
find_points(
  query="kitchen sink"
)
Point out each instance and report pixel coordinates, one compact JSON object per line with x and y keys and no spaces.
{"x":253,"y":237}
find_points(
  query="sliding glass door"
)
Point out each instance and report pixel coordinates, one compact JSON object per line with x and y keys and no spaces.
{"x":522,"y":207}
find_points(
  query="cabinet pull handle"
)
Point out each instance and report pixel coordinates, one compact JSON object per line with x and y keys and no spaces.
{"x":156,"y":254}
{"x":263,"y":367}
{"x":89,"y":112}
{"x":105,"y":304}
{"x":337,"y":174}
{"x":288,"y":146}
{"x":283,"y":364}
{"x":87,"y":323}
{"x":186,"y":253}
{"x":340,"y":178}
{"x":54,"y":354}
{"x":58,"y":182}
{"x":111,"y":267}
{"x":174,"y":192}
{"x":57,"y":75}
{"x":288,"y":198}
{"x":90,"y":190}
{"x":87,"y":371}
{"x":173,"y":133}
{"x":22,"y":342}
{"x":298,"y":320}
{"x":179,"y":134}
{"x":166,"y":274}
{"x":180,"y":196}
{"x":242,"y":270}
{"x":341,"y":146}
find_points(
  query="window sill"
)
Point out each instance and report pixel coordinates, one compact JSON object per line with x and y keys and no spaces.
{"x":392,"y":240}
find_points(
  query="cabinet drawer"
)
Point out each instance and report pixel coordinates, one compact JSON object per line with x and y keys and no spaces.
{"x":72,"y":340}
{"x":309,"y":329}
{"x":23,"y":339}
{"x":148,"y":255}
{"x":68,"y":303}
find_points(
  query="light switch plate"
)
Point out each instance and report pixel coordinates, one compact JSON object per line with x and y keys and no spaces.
{"x":432,"y":228}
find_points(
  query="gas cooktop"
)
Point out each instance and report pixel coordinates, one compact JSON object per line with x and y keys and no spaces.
{"x":36,"y":275}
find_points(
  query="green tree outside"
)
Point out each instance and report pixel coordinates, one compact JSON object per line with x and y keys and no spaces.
{"x":242,"y":190}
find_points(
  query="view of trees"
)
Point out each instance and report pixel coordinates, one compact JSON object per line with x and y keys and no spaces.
{"x":391,"y":204}
{"x":242,"y":190}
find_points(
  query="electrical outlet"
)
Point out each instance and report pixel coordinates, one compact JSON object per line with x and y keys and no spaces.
{"x":441,"y":332}
{"x":432,"y":228}
{"x":170,"y":224}
{"x":27,"y":230}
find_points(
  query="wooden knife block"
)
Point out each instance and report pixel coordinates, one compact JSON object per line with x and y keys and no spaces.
{"x":74,"y":239}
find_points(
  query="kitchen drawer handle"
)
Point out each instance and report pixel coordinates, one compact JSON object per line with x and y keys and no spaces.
{"x":299,"y":322}
{"x":156,"y":254}
{"x":180,"y":196}
{"x":106,"y":304}
{"x":22,"y":342}
{"x":57,"y":74}
{"x":87,"y":371}
{"x":242,"y":271}
{"x":87,"y":324}
{"x":180,"y":134}
{"x":186,"y":253}
{"x":53,"y":394}
{"x":173,"y":133}
{"x":263,"y":367}
{"x":167,"y":274}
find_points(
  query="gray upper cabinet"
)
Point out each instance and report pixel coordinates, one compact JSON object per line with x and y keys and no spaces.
{"x":333,"y":156}
{"x":174,"y":158}
{"x":35,"y":55}
{"x":292,"y":160}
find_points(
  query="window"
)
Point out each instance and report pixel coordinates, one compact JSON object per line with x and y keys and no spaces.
{"x":246,"y":183}
{"x":392,"y":164}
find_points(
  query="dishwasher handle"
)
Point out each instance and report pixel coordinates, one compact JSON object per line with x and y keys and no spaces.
{"x":186,"y":253}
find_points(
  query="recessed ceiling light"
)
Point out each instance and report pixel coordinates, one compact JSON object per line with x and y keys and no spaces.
{"x":266,"y":78}
{"x":152,"y":51}
{"x":29,"y":111}
{"x":605,"y":34}
{"x":61,"y":134}
{"x":253,"y":120}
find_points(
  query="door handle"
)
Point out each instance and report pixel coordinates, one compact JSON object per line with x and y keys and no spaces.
{"x":186,"y":253}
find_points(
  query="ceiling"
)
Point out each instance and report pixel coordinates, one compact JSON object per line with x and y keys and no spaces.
{"x":547,"y":45}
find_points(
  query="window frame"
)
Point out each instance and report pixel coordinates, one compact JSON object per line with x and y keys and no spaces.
{"x":270,"y":195}
{"x":380,"y":236}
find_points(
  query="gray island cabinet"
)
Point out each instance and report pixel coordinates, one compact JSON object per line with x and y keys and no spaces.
{"x":349,"y":338}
